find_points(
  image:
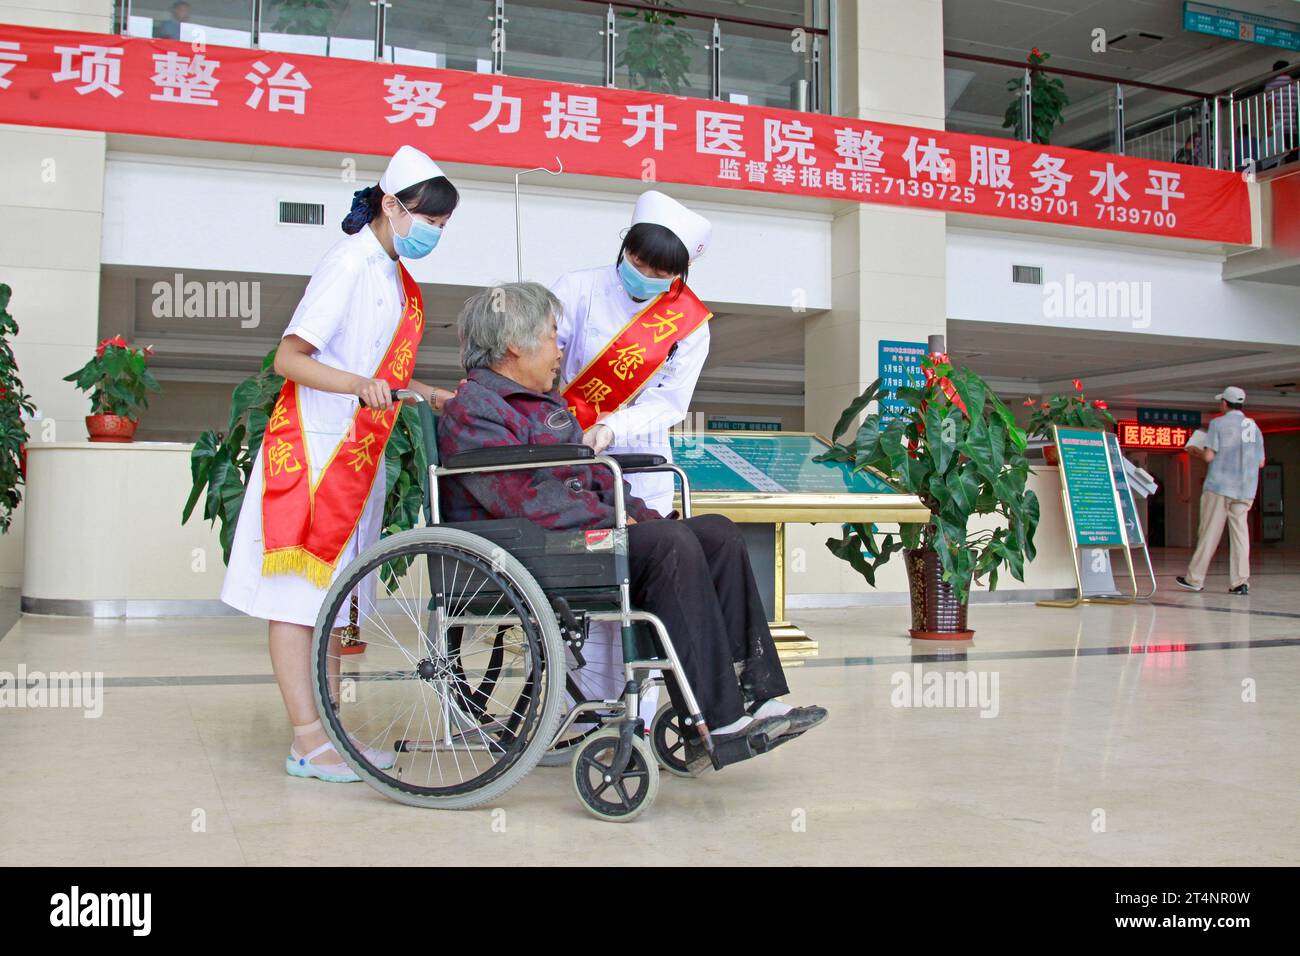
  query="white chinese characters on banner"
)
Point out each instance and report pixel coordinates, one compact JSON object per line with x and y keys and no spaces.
{"x":416,"y":99}
{"x":1108,"y":182}
{"x":184,"y":79}
{"x":496,"y":100}
{"x":858,"y":150}
{"x":572,"y":117}
{"x":1164,"y":184}
{"x":1049,"y":172}
{"x":647,"y":117}
{"x":98,"y":68}
{"x":765,"y":149}
{"x":719,"y":134}
{"x":785,"y":141}
{"x":287,"y":85}
{"x":10,"y":55}
{"x":929,"y":158}
{"x":990,"y":166}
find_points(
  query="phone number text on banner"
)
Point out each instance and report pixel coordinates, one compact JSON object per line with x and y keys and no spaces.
{"x":167,"y":88}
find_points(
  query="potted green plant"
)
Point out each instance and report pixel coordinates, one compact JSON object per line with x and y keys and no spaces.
{"x":311,"y":17}
{"x":1070,"y":411}
{"x":119,"y":380}
{"x":957,"y":447}
{"x":14,"y":404}
{"x":222,"y":462}
{"x":657,"y":52}
{"x":1048,"y":101}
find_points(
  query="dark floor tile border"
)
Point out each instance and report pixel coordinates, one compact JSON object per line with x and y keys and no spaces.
{"x":1225,"y":610}
{"x":958,"y":654}
{"x":949,"y":655}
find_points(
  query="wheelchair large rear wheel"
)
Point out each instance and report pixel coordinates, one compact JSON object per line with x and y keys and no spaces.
{"x":461,"y":685}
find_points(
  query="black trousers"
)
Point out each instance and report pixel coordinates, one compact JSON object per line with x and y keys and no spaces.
{"x":695,"y":576}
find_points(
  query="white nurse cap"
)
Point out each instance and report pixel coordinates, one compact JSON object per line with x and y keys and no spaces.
{"x":690,"y":227}
{"x":407,"y":167}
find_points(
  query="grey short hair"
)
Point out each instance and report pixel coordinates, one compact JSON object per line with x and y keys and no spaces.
{"x":515,"y":313}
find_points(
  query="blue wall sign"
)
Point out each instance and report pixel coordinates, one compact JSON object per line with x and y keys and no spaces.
{"x":899,"y":364}
{"x":1232,"y":24}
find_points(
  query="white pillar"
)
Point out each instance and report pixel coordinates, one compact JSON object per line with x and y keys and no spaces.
{"x":887,"y":263}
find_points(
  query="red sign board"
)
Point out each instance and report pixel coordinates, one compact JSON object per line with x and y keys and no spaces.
{"x":1153,"y":437}
{"x":119,"y":84}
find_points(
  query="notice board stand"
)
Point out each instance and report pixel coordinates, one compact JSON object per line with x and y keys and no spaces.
{"x":1099,"y":507}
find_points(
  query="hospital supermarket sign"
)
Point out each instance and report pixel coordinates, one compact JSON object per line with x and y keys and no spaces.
{"x":117,"y":84}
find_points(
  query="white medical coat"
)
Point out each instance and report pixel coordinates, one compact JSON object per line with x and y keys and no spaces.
{"x":596,"y":307}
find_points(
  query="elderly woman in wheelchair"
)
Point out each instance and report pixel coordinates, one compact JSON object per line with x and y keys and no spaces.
{"x":472,"y":624}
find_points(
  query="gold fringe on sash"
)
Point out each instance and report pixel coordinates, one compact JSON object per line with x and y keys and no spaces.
{"x":298,"y":560}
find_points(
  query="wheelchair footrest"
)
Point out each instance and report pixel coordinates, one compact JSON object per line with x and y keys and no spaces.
{"x":740,"y":748}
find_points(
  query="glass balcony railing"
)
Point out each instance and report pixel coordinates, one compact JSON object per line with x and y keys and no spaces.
{"x":1254,"y":125}
{"x":697,"y":48}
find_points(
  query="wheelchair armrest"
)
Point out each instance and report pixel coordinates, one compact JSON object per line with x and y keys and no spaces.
{"x":627,"y":462}
{"x":516,"y":455}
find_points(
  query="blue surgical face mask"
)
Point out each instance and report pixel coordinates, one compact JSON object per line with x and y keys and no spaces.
{"x":419,"y":241}
{"x":637,"y":285}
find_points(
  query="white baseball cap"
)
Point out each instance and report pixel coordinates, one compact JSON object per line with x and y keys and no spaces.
{"x":690,"y":227}
{"x":1233,"y":395}
{"x":407,"y":167}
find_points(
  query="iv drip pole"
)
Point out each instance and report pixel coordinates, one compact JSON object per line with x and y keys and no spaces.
{"x":519,"y":234}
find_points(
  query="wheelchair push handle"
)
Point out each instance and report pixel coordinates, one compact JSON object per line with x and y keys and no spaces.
{"x":400,"y":394}
{"x":428,"y":423}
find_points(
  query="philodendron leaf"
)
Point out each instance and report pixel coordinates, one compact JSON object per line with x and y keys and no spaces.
{"x":963,"y":487}
{"x":854,"y":409}
{"x":972,"y":390}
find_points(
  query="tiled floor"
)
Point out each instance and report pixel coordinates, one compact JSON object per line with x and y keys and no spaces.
{"x":1121,"y":737}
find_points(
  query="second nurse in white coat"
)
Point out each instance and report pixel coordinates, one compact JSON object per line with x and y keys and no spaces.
{"x":635,"y":339}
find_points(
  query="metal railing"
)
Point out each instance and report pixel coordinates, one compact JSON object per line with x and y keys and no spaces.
{"x":631,"y":44}
{"x":1263,"y":131}
{"x":1253,"y":125}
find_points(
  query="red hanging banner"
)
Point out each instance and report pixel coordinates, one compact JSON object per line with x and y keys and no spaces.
{"x":105,"y":82}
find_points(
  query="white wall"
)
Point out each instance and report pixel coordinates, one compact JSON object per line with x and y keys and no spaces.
{"x":217,"y":214}
{"x":1189,"y":297}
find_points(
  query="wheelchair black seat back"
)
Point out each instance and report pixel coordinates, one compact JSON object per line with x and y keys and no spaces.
{"x":469,"y":630}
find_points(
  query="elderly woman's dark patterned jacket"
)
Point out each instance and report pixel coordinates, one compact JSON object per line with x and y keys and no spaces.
{"x":491,"y":410}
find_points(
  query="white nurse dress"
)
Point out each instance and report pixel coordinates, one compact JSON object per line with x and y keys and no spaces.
{"x":349,"y":313}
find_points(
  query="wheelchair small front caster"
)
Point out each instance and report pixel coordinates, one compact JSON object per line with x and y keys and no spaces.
{"x":618,"y":799}
{"x":668,"y":741}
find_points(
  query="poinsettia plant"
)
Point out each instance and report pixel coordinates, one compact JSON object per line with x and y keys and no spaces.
{"x":14,"y":404}
{"x":118,"y":379}
{"x":957,"y":447}
{"x":221,"y":462}
{"x":1069,"y":411}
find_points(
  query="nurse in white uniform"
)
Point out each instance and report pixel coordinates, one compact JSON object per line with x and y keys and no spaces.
{"x":664,"y":239}
{"x":352,"y":317}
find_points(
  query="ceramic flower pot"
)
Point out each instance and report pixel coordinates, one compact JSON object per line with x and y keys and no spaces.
{"x":937,"y":615}
{"x":115,"y":428}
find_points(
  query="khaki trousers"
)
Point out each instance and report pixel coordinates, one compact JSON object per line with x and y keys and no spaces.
{"x":1215,"y":511}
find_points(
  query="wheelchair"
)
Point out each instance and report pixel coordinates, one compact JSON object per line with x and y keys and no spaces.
{"x":473,"y":632}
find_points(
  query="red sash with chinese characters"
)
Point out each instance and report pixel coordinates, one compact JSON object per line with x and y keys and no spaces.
{"x":615,"y":376}
{"x":306,"y":525}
